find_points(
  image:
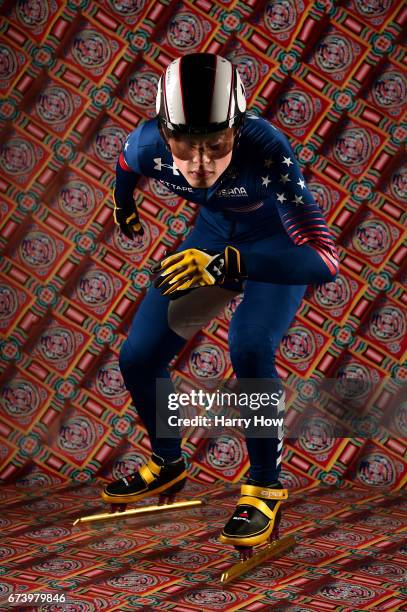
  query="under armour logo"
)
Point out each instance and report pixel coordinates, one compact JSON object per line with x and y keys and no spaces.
{"x":159,"y":165}
{"x":219,"y":271}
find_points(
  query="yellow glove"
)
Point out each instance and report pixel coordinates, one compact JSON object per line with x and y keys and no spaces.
{"x":196,"y":268}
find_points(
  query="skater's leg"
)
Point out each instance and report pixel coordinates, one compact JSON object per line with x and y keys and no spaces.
{"x":144,"y":357}
{"x":159,"y":330}
{"x":256,"y":330}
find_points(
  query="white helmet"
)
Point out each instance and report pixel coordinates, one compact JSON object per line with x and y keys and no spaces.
{"x":200,"y":93}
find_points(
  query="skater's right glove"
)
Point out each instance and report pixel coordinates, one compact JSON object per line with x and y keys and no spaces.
{"x":129,"y":222}
{"x":196,"y":268}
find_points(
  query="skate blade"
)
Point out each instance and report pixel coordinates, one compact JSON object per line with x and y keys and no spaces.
{"x":138,"y":511}
{"x":269,"y":551}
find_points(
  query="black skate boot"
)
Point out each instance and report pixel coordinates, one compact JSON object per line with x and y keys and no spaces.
{"x":156,"y":477}
{"x":256,"y":518}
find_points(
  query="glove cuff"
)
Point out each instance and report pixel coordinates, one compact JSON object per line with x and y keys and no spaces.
{"x":227,"y":266}
{"x":234,"y":265}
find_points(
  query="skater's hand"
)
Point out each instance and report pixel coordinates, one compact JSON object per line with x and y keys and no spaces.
{"x":183,"y":270}
{"x":196,"y":268}
{"x":129,"y":222}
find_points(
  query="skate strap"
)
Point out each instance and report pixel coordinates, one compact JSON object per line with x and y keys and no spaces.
{"x":260,"y":505}
{"x":149,"y":471}
{"x":264,"y":492}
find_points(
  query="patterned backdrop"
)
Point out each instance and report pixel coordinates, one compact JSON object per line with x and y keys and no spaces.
{"x":75,"y":78}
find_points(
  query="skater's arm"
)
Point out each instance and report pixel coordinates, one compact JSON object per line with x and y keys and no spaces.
{"x":302,"y":218}
{"x":313,"y":257}
{"x":294,"y":265}
{"x":127,"y":175}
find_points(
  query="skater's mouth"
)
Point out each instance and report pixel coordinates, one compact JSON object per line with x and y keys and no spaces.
{"x":200,"y":173}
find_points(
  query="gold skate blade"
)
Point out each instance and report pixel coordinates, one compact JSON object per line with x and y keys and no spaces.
{"x":269,"y":551}
{"x":138,"y":511}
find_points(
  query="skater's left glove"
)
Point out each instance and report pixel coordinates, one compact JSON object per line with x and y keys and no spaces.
{"x":196,"y":268}
{"x":128,"y":221}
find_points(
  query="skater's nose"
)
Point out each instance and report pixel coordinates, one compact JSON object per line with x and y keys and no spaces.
{"x":200,"y":155}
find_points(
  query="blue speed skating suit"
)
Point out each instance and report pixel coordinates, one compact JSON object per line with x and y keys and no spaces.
{"x":261,"y":206}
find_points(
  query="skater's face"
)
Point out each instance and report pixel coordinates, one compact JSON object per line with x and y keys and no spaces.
{"x":202,"y":159}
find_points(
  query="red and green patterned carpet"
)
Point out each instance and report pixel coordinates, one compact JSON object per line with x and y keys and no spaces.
{"x":75,"y":77}
{"x":351,"y":553}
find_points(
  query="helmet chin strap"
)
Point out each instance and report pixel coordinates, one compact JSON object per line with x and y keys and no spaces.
{"x":238,"y":133}
{"x":162,"y":134}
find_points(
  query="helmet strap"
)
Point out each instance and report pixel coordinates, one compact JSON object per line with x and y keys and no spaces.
{"x":163,"y":136}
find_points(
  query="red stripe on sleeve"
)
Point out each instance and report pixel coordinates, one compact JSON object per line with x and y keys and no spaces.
{"x":123,"y":164}
{"x":329,"y":258}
